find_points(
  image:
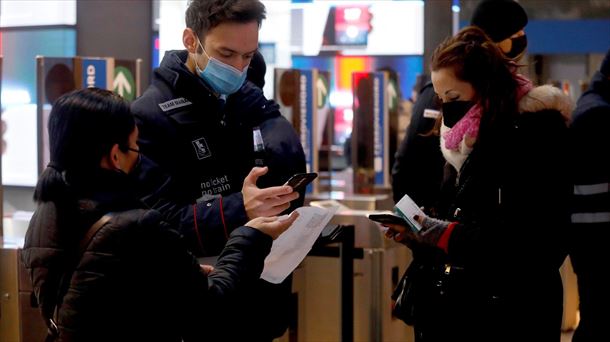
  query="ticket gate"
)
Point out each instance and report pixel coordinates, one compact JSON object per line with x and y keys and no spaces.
{"x":377,"y":267}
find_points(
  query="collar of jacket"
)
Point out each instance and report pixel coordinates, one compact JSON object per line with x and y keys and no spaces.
{"x":106,"y":191}
{"x":247,"y":105}
{"x":546,"y":97}
{"x":174,"y":71}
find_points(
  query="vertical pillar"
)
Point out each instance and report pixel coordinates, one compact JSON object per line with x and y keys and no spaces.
{"x":116,"y":28}
{"x":437,"y":26}
{"x":346,"y":256}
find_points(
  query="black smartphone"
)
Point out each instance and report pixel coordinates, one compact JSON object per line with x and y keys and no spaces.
{"x":389,"y":218}
{"x":300,"y":180}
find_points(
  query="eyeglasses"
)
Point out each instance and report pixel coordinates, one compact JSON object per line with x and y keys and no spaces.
{"x":133,"y":150}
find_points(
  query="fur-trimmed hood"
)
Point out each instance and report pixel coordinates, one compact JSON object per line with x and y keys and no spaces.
{"x":547,"y":97}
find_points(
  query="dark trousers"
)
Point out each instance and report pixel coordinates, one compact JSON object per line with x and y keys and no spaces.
{"x":593,"y":291}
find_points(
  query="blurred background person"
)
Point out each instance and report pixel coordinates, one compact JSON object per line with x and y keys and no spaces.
{"x":257,"y":70}
{"x":591,"y":212}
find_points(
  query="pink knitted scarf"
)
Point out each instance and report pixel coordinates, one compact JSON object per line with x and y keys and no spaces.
{"x":469,"y":124}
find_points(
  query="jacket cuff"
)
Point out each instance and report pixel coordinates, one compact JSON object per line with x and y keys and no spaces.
{"x":233,"y":212}
{"x":443,"y":241}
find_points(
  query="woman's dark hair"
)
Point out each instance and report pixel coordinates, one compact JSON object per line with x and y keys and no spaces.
{"x":83,"y":126}
{"x":475,"y":59}
{"x":203,"y":15}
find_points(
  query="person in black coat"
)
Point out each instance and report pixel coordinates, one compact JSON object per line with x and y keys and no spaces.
{"x":418,"y":165}
{"x":257,"y":70}
{"x":134,"y":278}
{"x":499,"y":238}
{"x":591,"y":210}
{"x":200,"y":123}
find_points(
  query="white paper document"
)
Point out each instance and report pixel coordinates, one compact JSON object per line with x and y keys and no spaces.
{"x":407,"y":209}
{"x":290,"y":248}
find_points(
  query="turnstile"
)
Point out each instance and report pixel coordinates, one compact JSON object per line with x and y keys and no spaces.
{"x":376,"y":271}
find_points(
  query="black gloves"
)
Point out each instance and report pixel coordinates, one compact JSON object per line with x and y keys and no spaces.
{"x":432,"y":229}
{"x":431,"y":232}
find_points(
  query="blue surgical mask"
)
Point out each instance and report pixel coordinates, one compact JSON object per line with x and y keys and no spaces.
{"x":223,"y":78}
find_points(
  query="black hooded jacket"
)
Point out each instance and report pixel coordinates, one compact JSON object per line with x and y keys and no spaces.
{"x":136,"y":280}
{"x":591,"y":172}
{"x":510,"y":205}
{"x":591,"y":204}
{"x":205,"y":144}
{"x":418,"y":164}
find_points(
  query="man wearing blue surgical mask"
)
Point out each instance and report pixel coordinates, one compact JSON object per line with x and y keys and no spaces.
{"x":227,"y":72}
{"x":197,"y":125}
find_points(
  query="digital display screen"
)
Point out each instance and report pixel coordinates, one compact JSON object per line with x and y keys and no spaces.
{"x":352,"y":25}
{"x":37,"y":13}
{"x":371,"y":28}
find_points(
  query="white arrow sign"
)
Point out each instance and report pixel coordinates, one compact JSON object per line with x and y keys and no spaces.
{"x":121,"y":84}
{"x":392,"y":94}
{"x":322,"y":92}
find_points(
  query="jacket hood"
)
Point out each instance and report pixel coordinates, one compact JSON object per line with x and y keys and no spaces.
{"x":251,"y":103}
{"x":106,"y":191}
{"x":546,"y":97}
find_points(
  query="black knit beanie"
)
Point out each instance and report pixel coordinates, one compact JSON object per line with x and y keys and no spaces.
{"x":605,"y":68}
{"x":500,"y":19}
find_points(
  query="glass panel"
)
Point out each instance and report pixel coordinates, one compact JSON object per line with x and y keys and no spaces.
{"x":20,"y":48}
{"x":37,"y":13}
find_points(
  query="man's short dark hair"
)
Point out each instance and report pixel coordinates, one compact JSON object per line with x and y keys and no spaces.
{"x":203,"y":15}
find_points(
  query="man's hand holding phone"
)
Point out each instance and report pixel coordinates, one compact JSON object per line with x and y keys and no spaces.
{"x":270,"y":201}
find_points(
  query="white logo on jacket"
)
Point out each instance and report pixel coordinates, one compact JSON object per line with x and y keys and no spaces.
{"x":201,"y":148}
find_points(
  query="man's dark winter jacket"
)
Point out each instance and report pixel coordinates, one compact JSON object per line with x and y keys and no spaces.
{"x":136,"y":281}
{"x":206,"y":145}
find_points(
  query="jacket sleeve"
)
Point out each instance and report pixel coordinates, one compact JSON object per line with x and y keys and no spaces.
{"x":45,"y":257}
{"x":418,"y":165}
{"x":241,"y":261}
{"x":283,"y":150}
{"x":591,"y":198}
{"x":205,"y":298}
{"x":205,"y":224}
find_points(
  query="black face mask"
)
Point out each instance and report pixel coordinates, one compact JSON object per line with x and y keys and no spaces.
{"x":518,"y":47}
{"x":455,"y":110}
